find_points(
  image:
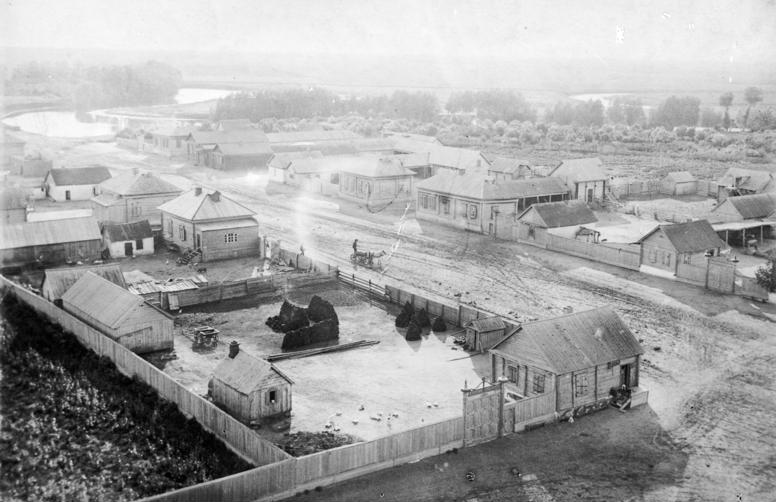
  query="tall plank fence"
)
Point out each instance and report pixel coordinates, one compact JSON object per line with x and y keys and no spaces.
{"x":235,"y":434}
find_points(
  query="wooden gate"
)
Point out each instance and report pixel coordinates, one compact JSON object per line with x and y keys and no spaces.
{"x":721,"y":275}
{"x":483,"y":414}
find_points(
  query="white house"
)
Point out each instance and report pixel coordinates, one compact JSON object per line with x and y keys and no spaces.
{"x":128,"y":239}
{"x":75,"y":183}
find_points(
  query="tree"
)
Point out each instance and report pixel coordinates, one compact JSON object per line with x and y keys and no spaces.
{"x":752,"y":95}
{"x":766,"y":274}
{"x":711,"y":118}
{"x":626,"y":110}
{"x":494,"y":105}
{"x":726,"y":100}
{"x":676,"y":111}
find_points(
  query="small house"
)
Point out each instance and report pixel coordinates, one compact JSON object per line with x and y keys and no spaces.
{"x":559,"y":218}
{"x":737,"y":181}
{"x":679,"y":183}
{"x":74,"y":183}
{"x":483,"y":334}
{"x":200,"y":145}
{"x":169,"y":140}
{"x":745,"y":207}
{"x":50,"y":242}
{"x":585,"y":177}
{"x":210,"y":225}
{"x":278,"y":166}
{"x":506,"y":168}
{"x":577,"y":358}
{"x":374,"y":180}
{"x":13,"y":205}
{"x":253,"y":156}
{"x":316,"y":175}
{"x":128,"y":239}
{"x":122,"y":316}
{"x":677,"y":248}
{"x":440,"y":157}
{"x":250,"y":388}
{"x":56,"y":281}
{"x":133,"y":196}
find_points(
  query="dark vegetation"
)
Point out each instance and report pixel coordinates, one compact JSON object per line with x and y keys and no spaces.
{"x":766,"y":274}
{"x":306,"y":443}
{"x":415,"y":321}
{"x":296,"y":321}
{"x":439,"y":325}
{"x":74,"y":428}
{"x":89,"y":88}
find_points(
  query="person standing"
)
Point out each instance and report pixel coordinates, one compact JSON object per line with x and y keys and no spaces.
{"x":355,"y":246}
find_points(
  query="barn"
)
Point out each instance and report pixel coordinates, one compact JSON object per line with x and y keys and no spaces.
{"x":56,"y":281}
{"x":679,"y":183}
{"x":482,"y":334}
{"x":250,"y":388}
{"x":50,"y":242}
{"x":75,"y":183}
{"x":128,"y":239}
{"x":578,"y":358}
{"x":124,"y":317}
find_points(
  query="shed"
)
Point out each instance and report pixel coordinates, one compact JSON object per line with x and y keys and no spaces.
{"x":278,"y":166}
{"x":585,"y":177}
{"x":122,"y":316}
{"x":50,"y":242}
{"x":74,"y":183}
{"x":250,"y":388}
{"x":738,"y":181}
{"x":128,"y":239}
{"x":56,"y":281}
{"x":578,"y":358}
{"x":745,"y":207}
{"x":255,"y":156}
{"x":482,"y":334}
{"x":679,"y":183}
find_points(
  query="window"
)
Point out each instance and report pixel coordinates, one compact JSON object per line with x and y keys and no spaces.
{"x":667,"y":259}
{"x":139,"y":244}
{"x":182,"y":232}
{"x":445,"y":203}
{"x":230,"y":237}
{"x":538,"y":384}
{"x":272,"y":397}
{"x":67,"y":194}
{"x":494,"y":210}
{"x":686,"y":259}
{"x":169,"y":227}
{"x":334,"y":179}
{"x":471,"y":211}
{"x":512,"y":373}
{"x":652,"y":255}
{"x":427,"y":201}
{"x":580,"y":385}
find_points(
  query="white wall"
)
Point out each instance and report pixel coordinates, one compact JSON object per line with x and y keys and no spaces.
{"x":77,"y":192}
{"x":117,"y":248}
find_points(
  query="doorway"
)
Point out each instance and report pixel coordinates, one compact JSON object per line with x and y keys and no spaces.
{"x":625,"y":375}
{"x":128,"y":249}
{"x":590,"y":195}
{"x":199,"y":242}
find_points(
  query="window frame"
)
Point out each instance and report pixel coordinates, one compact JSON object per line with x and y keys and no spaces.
{"x":539,"y":383}
{"x":581,"y":385}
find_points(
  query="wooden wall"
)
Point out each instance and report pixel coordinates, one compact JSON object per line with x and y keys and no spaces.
{"x":214,"y":247}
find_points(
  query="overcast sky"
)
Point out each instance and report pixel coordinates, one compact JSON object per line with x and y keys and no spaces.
{"x":713,"y":30}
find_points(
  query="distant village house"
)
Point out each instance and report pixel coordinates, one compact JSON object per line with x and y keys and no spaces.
{"x":74,"y":183}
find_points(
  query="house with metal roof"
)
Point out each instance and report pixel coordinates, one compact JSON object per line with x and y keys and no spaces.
{"x":133,"y":196}
{"x":739,"y":181}
{"x":441,"y":157}
{"x":250,"y":388}
{"x":373,"y":179}
{"x":680,"y":247}
{"x":118,"y":314}
{"x":122,"y":240}
{"x":211,"y":225}
{"x":56,"y":281}
{"x":477,"y":202}
{"x":74,"y":183}
{"x":50,"y":242}
{"x":679,"y":183}
{"x":482,"y":334}
{"x":585,"y":178}
{"x":253,"y":156}
{"x":576,"y":358}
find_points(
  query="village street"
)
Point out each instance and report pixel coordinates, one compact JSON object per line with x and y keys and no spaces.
{"x":709,"y":358}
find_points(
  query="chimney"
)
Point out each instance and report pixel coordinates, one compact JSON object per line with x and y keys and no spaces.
{"x":198,"y":191}
{"x":215,"y":196}
{"x":234,"y":349}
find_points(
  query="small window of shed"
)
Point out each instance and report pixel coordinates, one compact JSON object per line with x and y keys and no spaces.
{"x":272,"y":397}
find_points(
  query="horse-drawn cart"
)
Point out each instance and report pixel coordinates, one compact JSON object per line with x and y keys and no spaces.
{"x":368,"y":259}
{"x":204,"y":336}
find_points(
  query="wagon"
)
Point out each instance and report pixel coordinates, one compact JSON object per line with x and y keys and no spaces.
{"x":367,"y":259}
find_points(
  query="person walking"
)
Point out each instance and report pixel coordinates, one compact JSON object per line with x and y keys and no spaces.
{"x":355,"y":246}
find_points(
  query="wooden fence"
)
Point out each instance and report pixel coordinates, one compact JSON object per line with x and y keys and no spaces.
{"x":235,"y":434}
{"x":532,"y":409}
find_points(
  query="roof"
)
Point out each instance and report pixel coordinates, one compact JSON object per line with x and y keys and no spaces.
{"x":744,"y":225}
{"x":283,"y":160}
{"x":106,"y":302}
{"x":244,"y":149}
{"x":562,"y":214}
{"x":573,"y":342}
{"x":12,"y":198}
{"x":760,"y":205}
{"x":680,"y":177}
{"x":138,"y":183}
{"x":751,"y":179}
{"x":510,"y":166}
{"x":246,"y":373}
{"x":118,"y":232}
{"x":248,"y":135}
{"x":92,"y":175}
{"x":312,"y":136}
{"x":207,"y":205}
{"x":373,"y":167}
{"x":479,"y":186}
{"x":576,"y":170}
{"x":58,"y":280}
{"x":42,"y":233}
{"x":456,"y":158}
{"x":689,"y":237}
{"x":136,"y":277}
{"x":413,"y":159}
{"x":488,"y":324}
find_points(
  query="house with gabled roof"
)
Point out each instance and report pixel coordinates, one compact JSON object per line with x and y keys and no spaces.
{"x":50,"y":242}
{"x":738,"y":181}
{"x":200,"y":144}
{"x":56,"y":281}
{"x":122,"y":240}
{"x":482,"y":334}
{"x":74,"y":183}
{"x":168,"y":140}
{"x":675,"y":248}
{"x":477,"y":202}
{"x":133,"y":196}
{"x":374,"y":180}
{"x":565,"y":219}
{"x":507,"y":168}
{"x":250,"y":388}
{"x":679,"y":183}
{"x":124,"y":317}
{"x":745,"y":207}
{"x":278,"y":166}
{"x":576,"y":358}
{"x":253,"y":156}
{"x":585,"y":178}
{"x":210,"y":224}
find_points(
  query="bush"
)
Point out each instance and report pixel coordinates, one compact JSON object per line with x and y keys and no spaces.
{"x":413,"y":332}
{"x":421,"y":318}
{"x":402,"y":320}
{"x":319,"y":332}
{"x":439,"y":325}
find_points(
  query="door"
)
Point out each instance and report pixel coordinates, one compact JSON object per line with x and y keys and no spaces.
{"x":625,"y":374}
{"x":128,"y":249}
{"x":590,"y":195}
{"x":67,"y":194}
{"x":199,"y":242}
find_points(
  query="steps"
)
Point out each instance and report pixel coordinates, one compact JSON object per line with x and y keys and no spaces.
{"x":189,"y":256}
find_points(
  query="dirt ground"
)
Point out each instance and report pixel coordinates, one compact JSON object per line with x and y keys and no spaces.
{"x":707,"y":433}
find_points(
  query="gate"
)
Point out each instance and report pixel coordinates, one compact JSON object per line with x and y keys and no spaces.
{"x":721,"y":275}
{"x":483,"y":414}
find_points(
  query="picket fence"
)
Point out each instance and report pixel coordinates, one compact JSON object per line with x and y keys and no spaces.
{"x":235,"y":434}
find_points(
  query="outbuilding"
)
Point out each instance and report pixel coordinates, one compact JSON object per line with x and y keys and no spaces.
{"x":585,"y":177}
{"x":559,"y":218}
{"x":128,"y":239}
{"x":231,"y":156}
{"x":483,"y":334}
{"x":74,"y":183}
{"x":679,"y":183}
{"x":56,"y":281}
{"x":577,"y":358}
{"x":250,"y":388}
{"x":374,"y":180}
{"x":50,"y":242}
{"x":278,"y":166}
{"x":738,"y":181}
{"x":122,"y":316}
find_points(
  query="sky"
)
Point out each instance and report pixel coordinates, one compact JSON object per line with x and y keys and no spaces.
{"x":659,"y":30}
